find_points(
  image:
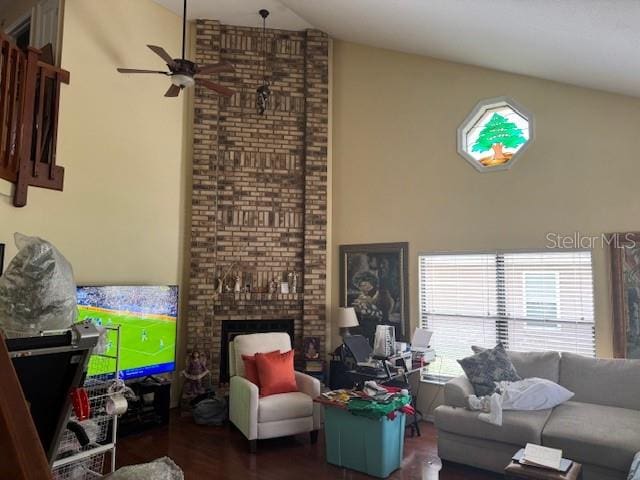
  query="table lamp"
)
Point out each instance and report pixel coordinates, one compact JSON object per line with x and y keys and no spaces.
{"x":347,"y":319}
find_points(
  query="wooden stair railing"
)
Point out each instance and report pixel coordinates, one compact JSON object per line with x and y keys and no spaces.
{"x":29,"y":105}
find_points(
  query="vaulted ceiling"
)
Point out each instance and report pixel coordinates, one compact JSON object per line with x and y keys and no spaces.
{"x":591,"y":43}
{"x":241,"y":12}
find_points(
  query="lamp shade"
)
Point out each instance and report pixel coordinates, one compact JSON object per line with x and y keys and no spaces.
{"x":347,"y":317}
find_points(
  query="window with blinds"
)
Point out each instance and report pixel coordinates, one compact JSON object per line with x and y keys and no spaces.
{"x":530,"y":301}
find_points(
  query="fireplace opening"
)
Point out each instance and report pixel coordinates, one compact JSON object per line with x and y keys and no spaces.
{"x":233,"y":328}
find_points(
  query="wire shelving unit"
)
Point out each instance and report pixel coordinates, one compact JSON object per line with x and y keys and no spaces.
{"x":75,"y":462}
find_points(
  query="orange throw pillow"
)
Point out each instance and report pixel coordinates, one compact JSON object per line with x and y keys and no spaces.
{"x":276,"y":373}
{"x":250,"y":368}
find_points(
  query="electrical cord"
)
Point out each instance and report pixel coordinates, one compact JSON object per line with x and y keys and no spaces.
{"x":440,"y":385}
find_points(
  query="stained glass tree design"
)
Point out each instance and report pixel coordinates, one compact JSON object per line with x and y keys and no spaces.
{"x":495,"y":134}
{"x":498,"y":133}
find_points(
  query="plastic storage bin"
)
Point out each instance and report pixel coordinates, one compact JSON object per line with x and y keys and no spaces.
{"x":374,"y":447}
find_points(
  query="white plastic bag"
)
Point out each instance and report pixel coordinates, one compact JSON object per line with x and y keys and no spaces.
{"x":161,"y":469}
{"x":37,"y":291}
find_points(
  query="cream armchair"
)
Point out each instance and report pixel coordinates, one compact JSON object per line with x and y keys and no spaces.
{"x":277,"y":415}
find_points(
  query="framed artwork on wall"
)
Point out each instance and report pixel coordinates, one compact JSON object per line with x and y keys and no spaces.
{"x":625,"y":288}
{"x":311,"y":348}
{"x":374,"y":280}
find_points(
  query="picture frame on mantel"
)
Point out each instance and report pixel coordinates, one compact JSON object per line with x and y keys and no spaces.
{"x":625,"y":289}
{"x":374,"y":280}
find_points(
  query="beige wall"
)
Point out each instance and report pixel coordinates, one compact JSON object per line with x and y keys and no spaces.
{"x":397,"y":176}
{"x":123,"y":216}
{"x":120,"y":217}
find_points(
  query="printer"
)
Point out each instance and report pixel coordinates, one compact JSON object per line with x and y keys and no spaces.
{"x":420,"y":345}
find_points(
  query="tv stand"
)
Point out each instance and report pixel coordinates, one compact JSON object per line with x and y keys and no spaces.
{"x":150,"y":410}
{"x":151,"y":379}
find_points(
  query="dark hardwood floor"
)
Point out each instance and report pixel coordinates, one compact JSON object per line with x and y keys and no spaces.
{"x":221,"y":453}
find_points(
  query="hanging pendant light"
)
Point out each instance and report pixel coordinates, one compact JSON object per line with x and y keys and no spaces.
{"x":263,"y":92}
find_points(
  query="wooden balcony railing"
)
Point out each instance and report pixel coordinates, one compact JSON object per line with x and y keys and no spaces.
{"x":29,"y":103}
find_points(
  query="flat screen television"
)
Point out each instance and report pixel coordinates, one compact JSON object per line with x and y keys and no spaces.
{"x":147,"y":316}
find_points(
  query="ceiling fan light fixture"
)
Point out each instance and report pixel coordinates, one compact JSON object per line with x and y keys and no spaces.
{"x":183,"y":81}
{"x":185,"y":73}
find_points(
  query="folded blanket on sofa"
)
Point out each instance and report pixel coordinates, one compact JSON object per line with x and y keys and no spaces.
{"x":528,"y":394}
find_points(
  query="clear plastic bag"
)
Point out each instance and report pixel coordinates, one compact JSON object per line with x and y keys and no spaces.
{"x":37,"y":291}
{"x":160,"y":469}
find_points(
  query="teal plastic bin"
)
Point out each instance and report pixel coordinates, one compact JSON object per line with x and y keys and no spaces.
{"x":374,"y":447}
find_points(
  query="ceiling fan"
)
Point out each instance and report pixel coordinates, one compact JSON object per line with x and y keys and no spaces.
{"x":184,"y":73}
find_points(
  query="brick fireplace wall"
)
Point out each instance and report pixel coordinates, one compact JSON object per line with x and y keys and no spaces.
{"x":259,"y":200}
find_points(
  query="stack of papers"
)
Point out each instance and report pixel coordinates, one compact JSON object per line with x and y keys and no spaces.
{"x":543,"y":457}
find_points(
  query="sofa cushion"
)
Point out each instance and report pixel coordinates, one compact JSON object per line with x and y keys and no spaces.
{"x":615,"y":383}
{"x":457,"y":391}
{"x":533,"y":364}
{"x":517,"y":428}
{"x":488,"y":366}
{"x":594,"y":434}
{"x":537,"y":364}
{"x":284,"y":406}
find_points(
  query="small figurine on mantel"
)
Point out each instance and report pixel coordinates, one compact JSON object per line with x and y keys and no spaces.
{"x":273,"y":285}
{"x":219,"y":284}
{"x":238,"y":286}
{"x":194,"y":375}
{"x":294,"y":282}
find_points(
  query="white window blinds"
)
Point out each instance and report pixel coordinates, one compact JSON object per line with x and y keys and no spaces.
{"x":529,"y":301}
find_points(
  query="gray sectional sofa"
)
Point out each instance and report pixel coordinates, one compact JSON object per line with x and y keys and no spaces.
{"x":599,"y":427}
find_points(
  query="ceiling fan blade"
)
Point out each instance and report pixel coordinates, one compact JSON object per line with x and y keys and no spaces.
{"x":216,"y":67}
{"x":135,"y":70}
{"x":162,"y":53}
{"x":227,"y":92}
{"x":173,"y":91}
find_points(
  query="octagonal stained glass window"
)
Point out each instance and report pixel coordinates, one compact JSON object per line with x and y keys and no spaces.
{"x":495,"y":134}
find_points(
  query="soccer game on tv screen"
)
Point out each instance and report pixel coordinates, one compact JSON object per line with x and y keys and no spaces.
{"x":147,"y":317}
